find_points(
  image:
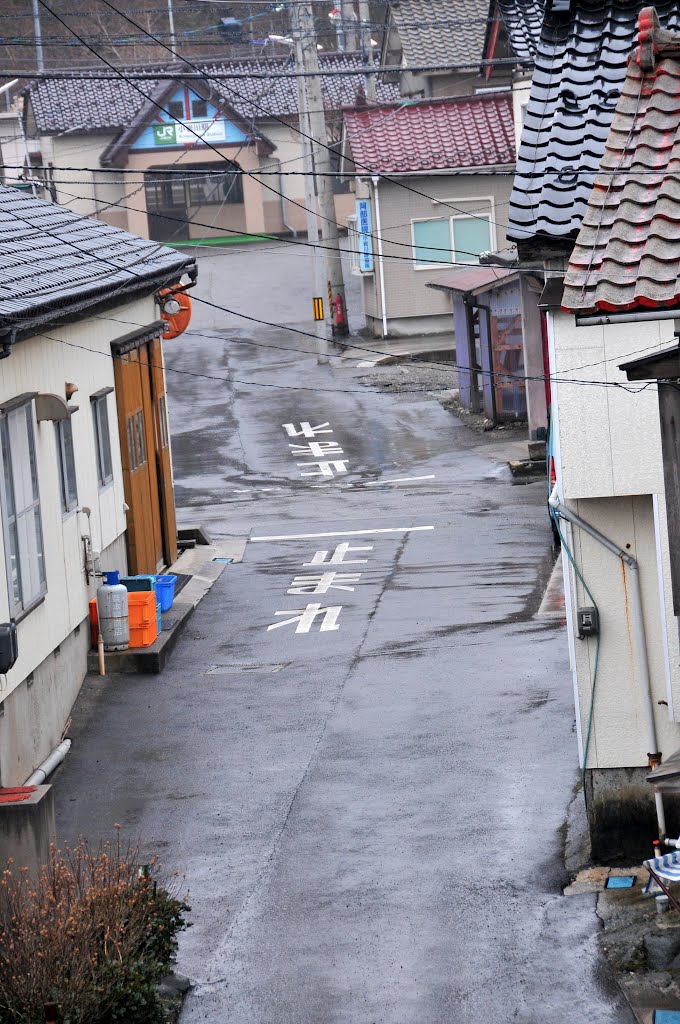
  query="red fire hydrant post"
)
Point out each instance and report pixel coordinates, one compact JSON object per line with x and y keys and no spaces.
{"x":340,"y":327}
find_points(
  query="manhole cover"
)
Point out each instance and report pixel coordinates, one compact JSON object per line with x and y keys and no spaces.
{"x":233,"y":669}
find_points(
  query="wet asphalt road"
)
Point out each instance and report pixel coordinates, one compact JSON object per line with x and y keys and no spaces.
{"x":367,"y":815}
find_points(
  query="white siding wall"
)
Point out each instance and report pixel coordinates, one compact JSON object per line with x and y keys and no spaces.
{"x":79,"y":353}
{"x":610,"y":440}
{"x":610,"y":471}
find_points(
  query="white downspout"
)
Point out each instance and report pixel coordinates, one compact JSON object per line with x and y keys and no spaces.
{"x":378,"y":231}
{"x":49,"y":764}
{"x":640,"y":637}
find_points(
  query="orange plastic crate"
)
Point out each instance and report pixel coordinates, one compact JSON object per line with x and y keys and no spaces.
{"x":142,"y":616}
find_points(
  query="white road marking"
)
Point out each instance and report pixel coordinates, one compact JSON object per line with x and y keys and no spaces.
{"x":364,"y":364}
{"x":399,"y":480}
{"x":341,"y":533}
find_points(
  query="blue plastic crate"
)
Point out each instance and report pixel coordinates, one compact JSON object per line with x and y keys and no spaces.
{"x":165,"y":588}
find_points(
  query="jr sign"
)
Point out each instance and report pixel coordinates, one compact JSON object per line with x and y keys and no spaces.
{"x":191,"y":133}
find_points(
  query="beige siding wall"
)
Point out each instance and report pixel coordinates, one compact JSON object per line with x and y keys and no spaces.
{"x":288,"y":157}
{"x":407,"y":296}
{"x":92,"y":192}
{"x":230,"y":216}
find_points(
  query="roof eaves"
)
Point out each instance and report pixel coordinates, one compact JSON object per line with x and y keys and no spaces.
{"x":59,"y":310}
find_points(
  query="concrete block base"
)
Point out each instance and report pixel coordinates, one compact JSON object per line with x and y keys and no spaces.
{"x":147,"y":660}
{"x":622,"y":815}
{"x":27,"y":828}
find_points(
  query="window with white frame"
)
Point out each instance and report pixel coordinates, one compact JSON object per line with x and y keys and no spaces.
{"x":102,"y":437}
{"x":21,"y":517}
{"x":447,"y":240}
{"x":67,"y":465}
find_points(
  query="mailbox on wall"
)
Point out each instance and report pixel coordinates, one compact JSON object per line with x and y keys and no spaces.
{"x":9,"y":647}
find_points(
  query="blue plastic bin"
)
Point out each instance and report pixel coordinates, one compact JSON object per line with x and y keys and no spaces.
{"x":165,"y":588}
{"x":144,"y":581}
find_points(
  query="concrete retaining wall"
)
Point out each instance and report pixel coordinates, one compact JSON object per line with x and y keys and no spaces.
{"x":26,"y":830}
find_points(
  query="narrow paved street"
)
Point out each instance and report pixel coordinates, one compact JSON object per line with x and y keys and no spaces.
{"x":365,"y":798}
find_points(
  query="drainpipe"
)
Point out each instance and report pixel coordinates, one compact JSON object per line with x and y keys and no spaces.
{"x":376,"y":182}
{"x":49,"y":764}
{"x":283,"y":204}
{"x":639,"y":639}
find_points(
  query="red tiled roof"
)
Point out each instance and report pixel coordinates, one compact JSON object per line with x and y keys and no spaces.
{"x":432,"y":135}
{"x":627,"y":253}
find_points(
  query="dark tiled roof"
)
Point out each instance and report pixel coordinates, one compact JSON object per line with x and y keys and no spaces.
{"x":580,"y":69}
{"x":279,"y":95}
{"x":433,"y":135}
{"x":440,"y":32}
{"x":522,"y":20}
{"x":52,"y":261}
{"x":627,"y":253}
{"x":89,"y":105}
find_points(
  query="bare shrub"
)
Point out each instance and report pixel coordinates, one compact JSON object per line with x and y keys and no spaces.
{"x":93,"y":934}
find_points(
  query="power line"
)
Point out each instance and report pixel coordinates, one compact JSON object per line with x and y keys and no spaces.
{"x":258,"y":236}
{"x":280,"y":120}
{"x":258,"y":320}
{"x":252,"y":102}
{"x":447,"y":365}
{"x":569,"y":172}
{"x":362,"y":391}
{"x":128,"y":269}
{"x":141,"y":76}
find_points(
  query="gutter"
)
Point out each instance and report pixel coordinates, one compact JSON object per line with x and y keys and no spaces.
{"x":446,"y":171}
{"x":639,"y":635}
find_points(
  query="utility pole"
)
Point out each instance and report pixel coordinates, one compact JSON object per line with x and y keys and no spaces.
{"x":366,"y":48}
{"x":310,"y":196}
{"x":171,"y":21}
{"x":313,"y":115}
{"x":349,"y":24}
{"x":38,"y":36}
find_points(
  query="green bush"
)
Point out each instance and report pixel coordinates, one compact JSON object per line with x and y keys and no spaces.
{"x":93,"y":934}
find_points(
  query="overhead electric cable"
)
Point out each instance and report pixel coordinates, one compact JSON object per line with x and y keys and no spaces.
{"x":141,"y":76}
{"x":281,"y":121}
{"x":264,"y":236}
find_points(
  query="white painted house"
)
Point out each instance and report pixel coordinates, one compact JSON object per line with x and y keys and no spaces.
{"x":69,"y":288}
